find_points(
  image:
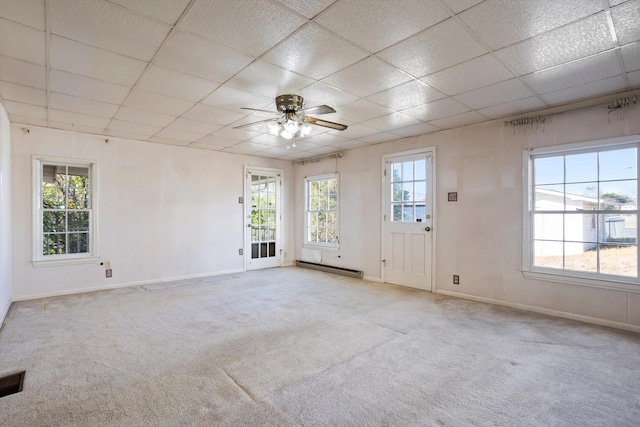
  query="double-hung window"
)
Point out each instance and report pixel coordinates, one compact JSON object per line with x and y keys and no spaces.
{"x":64,"y":210}
{"x":581,"y":216}
{"x":321,"y":221}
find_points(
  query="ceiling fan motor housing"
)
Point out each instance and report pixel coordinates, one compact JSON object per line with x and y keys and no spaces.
{"x":289,"y":103}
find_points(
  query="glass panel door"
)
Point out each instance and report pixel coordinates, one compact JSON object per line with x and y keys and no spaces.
{"x":263,"y":190}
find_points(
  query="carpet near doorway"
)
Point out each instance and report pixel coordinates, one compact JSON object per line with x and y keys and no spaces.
{"x":289,"y":346}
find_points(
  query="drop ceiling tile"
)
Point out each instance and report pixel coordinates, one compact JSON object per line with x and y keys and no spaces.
{"x":126,"y":135}
{"x":498,"y":93}
{"x":561,"y":45}
{"x":458,"y":6}
{"x":149,"y":101}
{"x":579,"y":72}
{"x":478,"y":72}
{"x":268,"y":80}
{"x":251,"y":26}
{"x":234,"y":99}
{"x":247,"y":147}
{"x":135,"y":115}
{"x":360,"y":110}
{"x":513,"y":107}
{"x":176,"y":84}
{"x":326,"y":138}
{"x":625,"y":20}
{"x":218,"y":116}
{"x":634,"y":78}
{"x":193,"y":126}
{"x":25,"y":94}
{"x":22,"y":42}
{"x":79,"y":119}
{"x":501,"y":23}
{"x":26,"y":110}
{"x":464,"y":119}
{"x":179,"y":135}
{"x":78,"y":58}
{"x":169,"y":141}
{"x":391,"y":121}
{"x":378,"y":138}
{"x":138,"y":129}
{"x":367,"y":77}
{"x":276,"y":152}
{"x":202,"y":58}
{"x":76,"y":127}
{"x":631,"y":56}
{"x":29,"y":13}
{"x":435,"y":110}
{"x":268,"y":139}
{"x":28,"y":120}
{"x":355,"y":131}
{"x":256,"y":121}
{"x":406,"y":95}
{"x":75,"y":104}
{"x":228,"y":132}
{"x":24,"y":73}
{"x":167,"y":11}
{"x":321,"y":94}
{"x":309,"y":8}
{"x":314,"y":52}
{"x":439,"y":47}
{"x":351,"y":144}
{"x":321,"y":150}
{"x":383,"y":24}
{"x":214,"y":142}
{"x":589,"y":90}
{"x":104,"y":25}
{"x":421,"y":129}
{"x":87,"y":87}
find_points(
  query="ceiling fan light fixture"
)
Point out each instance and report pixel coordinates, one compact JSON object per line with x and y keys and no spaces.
{"x":274,"y":129}
{"x":305,"y":129}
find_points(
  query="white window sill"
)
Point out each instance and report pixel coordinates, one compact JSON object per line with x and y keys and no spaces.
{"x":321,"y":247}
{"x":63,"y":262}
{"x":611,"y":283}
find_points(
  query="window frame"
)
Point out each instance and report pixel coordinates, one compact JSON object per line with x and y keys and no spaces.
{"x":307,"y":182}
{"x":529,"y":270}
{"x":38,"y":258}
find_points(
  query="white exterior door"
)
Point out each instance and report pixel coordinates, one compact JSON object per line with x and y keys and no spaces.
{"x":262,"y":218}
{"x":408,"y":219}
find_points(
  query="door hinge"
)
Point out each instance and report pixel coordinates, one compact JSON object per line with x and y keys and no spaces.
{"x":384,"y":262}
{"x":385,"y":217}
{"x":385,"y":172}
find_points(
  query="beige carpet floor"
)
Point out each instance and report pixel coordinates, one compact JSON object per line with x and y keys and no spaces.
{"x":289,"y":346}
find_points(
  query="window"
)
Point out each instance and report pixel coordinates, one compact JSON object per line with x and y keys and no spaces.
{"x":322,"y":210}
{"x":582,"y":211}
{"x":65,"y":216}
{"x":409,"y":190}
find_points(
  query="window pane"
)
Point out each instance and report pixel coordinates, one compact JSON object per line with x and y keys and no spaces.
{"x":582,"y":196}
{"x":580,"y":228}
{"x":618,"y":164}
{"x":407,"y":213}
{"x":421,"y":170}
{"x":78,"y":194}
{"x":549,"y":197}
{"x":333,"y":186}
{"x":333,"y":202}
{"x":397,"y":212}
{"x":78,"y":221}
{"x":322,"y":235}
{"x":407,"y":171}
{"x":53,"y":221}
{"x":397,"y":192}
{"x":618,"y":228}
{"x":548,"y":226}
{"x":577,"y":257}
{"x":548,"y":254}
{"x":407,"y":191}
{"x":54,"y":244}
{"x":619,"y":260}
{"x":618,"y":195}
{"x":420,"y":191}
{"x":548,"y":170}
{"x":581,"y":167}
{"x":78,"y":243}
{"x":53,"y":198}
{"x":323,"y":202}
{"x":396,"y":172}
{"x":420,"y":212}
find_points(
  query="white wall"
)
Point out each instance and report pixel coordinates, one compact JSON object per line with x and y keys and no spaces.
{"x":480,"y":236}
{"x":164,"y":211}
{"x":5,"y":214}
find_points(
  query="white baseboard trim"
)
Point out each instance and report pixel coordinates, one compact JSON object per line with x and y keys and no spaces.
{"x":373,"y":279}
{"x":123,"y":285}
{"x":550,"y":312}
{"x":3,"y":313}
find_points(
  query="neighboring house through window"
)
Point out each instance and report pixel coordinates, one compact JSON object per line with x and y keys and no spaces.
{"x":322,"y":210}
{"x":581,"y":218}
{"x":64,"y":217}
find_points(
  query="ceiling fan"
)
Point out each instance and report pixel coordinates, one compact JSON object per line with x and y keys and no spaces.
{"x":293,"y":120}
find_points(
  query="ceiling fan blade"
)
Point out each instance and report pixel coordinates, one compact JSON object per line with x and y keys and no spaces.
{"x":325,"y":123}
{"x":319,"y":109}
{"x":263,"y":111}
{"x":256,"y":123}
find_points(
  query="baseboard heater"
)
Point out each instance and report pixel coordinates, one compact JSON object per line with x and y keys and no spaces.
{"x":331,"y":269}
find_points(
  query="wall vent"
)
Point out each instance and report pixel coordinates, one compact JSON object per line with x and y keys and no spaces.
{"x":331,"y":269}
{"x":11,"y":384}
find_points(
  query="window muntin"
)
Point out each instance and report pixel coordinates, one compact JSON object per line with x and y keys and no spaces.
{"x":408,"y":191}
{"x":65,"y":214}
{"x":583,"y":212}
{"x":322,"y":210}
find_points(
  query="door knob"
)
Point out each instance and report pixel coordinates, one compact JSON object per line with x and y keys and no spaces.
{"x":427,"y":229}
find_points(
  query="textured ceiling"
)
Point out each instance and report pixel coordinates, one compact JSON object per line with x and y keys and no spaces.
{"x":178,"y":71}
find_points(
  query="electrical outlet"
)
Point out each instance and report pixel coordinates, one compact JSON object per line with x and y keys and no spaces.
{"x":108,"y":272}
{"x":107,"y":265}
{"x":240,"y":251}
{"x":456,"y":279}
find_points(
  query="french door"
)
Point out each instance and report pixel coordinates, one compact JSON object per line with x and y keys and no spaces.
{"x":262,"y":218}
{"x":408,"y":219}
